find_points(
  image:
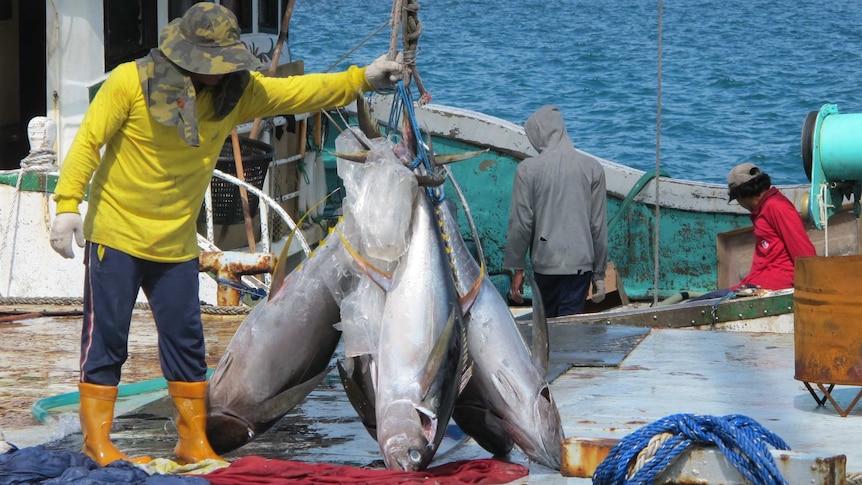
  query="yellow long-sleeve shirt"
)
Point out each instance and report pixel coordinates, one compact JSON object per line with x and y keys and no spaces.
{"x":148,"y":187}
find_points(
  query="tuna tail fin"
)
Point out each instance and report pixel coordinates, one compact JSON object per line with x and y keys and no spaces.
{"x":367,"y":124}
{"x":279,"y":405}
{"x":441,"y":160}
{"x":280,"y":272}
{"x":541,"y":347}
{"x":357,"y":157}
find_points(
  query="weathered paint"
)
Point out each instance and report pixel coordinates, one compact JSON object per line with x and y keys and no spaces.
{"x":581,"y":456}
{"x":827,"y":336}
{"x":34,"y":181}
{"x":231,"y":266}
{"x":708,"y":313}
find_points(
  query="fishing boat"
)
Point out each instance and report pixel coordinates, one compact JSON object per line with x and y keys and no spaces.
{"x":666,"y":235}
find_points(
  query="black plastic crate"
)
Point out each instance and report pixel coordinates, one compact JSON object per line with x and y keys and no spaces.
{"x":226,"y":201}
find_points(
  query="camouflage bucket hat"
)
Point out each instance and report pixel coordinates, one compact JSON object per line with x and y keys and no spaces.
{"x":205,"y":40}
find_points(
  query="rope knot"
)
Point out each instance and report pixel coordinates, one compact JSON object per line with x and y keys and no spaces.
{"x":641,"y":456}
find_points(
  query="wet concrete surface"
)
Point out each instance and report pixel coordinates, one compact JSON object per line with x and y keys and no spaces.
{"x":40,"y":356}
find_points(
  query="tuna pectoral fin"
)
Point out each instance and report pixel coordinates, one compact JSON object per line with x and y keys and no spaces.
{"x":469,"y":298}
{"x":483,"y":426}
{"x":438,"y":354}
{"x":358,"y":384}
{"x":280,"y":404}
{"x":541,"y":347}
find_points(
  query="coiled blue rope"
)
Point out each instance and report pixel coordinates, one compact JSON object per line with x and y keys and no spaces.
{"x":742,"y":440}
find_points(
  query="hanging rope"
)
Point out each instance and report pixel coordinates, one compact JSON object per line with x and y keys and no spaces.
{"x":657,"y":165}
{"x":743,"y":441}
{"x":824,"y":198}
{"x":411,"y":30}
{"x":360,"y":44}
{"x":403,"y":102}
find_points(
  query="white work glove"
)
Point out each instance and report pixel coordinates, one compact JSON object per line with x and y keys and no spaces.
{"x":383,"y":72}
{"x":64,"y":227}
{"x":598,"y":290}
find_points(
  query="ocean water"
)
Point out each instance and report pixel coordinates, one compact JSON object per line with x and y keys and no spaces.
{"x":738,"y":77}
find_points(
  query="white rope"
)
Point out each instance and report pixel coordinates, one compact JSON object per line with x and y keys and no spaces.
{"x":823,"y":196}
{"x":648,"y":453}
{"x":40,"y":161}
{"x":271,"y":202}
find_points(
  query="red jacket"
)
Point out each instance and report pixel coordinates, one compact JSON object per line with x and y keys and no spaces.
{"x":779,"y":238}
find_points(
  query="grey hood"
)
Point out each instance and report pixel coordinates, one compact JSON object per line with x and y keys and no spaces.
{"x":558,"y":210}
{"x":546,"y":129}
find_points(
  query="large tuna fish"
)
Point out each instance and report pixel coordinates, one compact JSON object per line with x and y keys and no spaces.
{"x":420,"y":358}
{"x":507,"y":398}
{"x":279,"y":353}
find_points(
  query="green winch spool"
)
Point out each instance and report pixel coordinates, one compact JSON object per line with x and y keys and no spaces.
{"x":832,"y":158}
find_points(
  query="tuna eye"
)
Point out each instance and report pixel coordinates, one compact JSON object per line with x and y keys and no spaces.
{"x":415,"y":456}
{"x":546,"y":393}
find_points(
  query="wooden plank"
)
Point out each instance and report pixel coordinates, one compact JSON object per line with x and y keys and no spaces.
{"x":735,"y":249}
{"x":691,"y":314}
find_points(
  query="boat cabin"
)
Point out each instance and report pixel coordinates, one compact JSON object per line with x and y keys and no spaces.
{"x":51,"y":74}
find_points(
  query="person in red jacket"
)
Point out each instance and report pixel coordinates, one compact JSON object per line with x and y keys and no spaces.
{"x":779,"y":235}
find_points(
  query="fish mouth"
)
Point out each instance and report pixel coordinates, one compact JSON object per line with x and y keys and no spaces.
{"x":227,"y":431}
{"x":402,"y":454}
{"x":410,"y":449}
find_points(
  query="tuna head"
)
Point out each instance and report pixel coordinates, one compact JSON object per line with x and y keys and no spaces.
{"x":407,"y":436}
{"x":541,"y":436}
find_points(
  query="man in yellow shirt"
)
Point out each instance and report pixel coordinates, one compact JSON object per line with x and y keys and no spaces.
{"x":163,"y":120}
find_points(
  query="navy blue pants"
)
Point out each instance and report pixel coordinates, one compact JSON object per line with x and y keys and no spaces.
{"x":564,"y":294}
{"x":111,"y":284}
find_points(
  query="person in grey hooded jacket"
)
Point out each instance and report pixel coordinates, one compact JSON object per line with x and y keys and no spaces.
{"x":559,"y":214}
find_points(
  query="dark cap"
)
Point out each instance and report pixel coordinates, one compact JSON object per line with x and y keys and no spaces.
{"x":205,"y":40}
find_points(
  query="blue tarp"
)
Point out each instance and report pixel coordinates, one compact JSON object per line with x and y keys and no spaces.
{"x":38,"y":465}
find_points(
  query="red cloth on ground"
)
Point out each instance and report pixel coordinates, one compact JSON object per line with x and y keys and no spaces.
{"x":262,"y":471}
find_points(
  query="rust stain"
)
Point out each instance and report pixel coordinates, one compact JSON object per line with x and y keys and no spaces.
{"x":487,"y":164}
{"x":828,"y":344}
{"x":581,"y":456}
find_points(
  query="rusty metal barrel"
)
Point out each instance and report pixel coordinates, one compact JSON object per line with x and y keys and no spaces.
{"x":828,"y":320}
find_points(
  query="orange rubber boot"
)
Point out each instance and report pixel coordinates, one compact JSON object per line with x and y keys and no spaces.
{"x":189,"y":400}
{"x":96,"y":412}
